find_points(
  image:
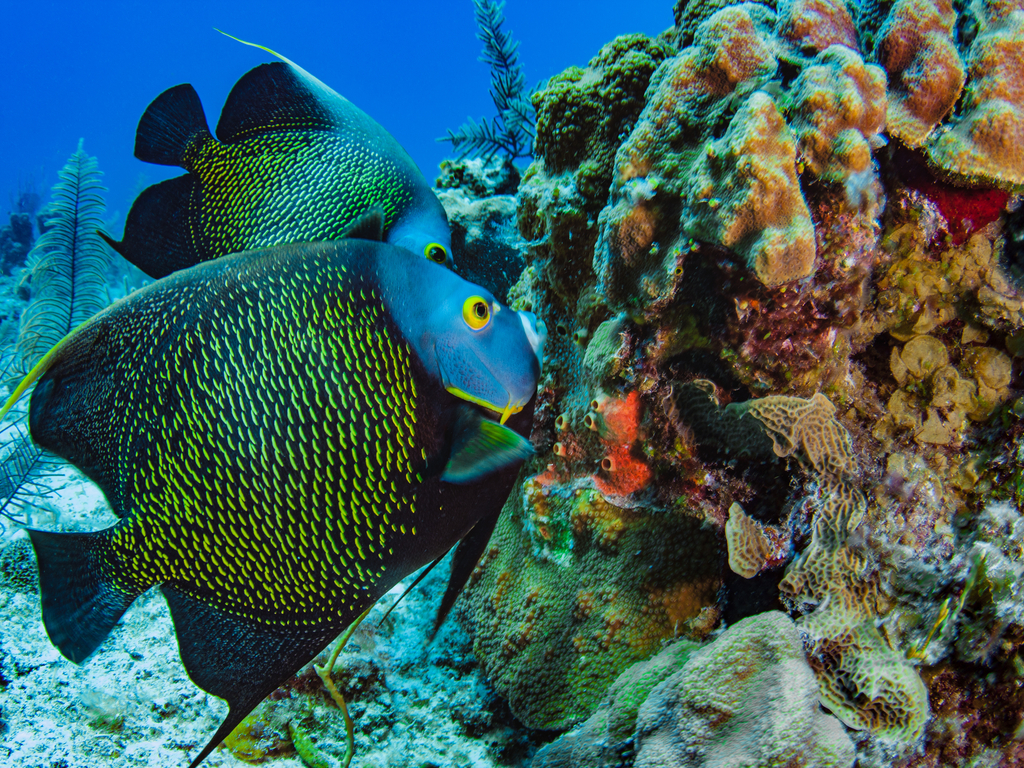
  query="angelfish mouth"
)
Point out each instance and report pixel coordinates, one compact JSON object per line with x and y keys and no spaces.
{"x":509,"y":409}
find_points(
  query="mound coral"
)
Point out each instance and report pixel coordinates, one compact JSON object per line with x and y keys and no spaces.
{"x":749,"y":698}
{"x":573,"y":589}
{"x":985,"y":143}
{"x":926,"y":74}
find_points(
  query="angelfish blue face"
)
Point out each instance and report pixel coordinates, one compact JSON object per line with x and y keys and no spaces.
{"x":487,"y":358}
{"x":479,"y":350}
{"x":426,"y":236}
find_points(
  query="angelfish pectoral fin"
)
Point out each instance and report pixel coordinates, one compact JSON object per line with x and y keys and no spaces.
{"x":481,"y":446}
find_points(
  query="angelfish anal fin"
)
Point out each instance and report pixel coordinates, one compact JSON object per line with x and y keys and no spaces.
{"x":241,"y":663}
{"x":466,"y":556}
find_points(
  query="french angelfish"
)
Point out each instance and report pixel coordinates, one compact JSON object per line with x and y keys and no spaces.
{"x":293,"y":161}
{"x":278,"y":434}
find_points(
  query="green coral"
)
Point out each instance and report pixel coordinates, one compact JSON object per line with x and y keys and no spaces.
{"x":583,"y":113}
{"x":747,"y":699}
{"x":556,"y":619}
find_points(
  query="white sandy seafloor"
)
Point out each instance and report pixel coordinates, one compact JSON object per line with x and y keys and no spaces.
{"x":131,"y":704}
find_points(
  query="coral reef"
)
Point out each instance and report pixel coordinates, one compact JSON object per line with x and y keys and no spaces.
{"x":747,"y":699}
{"x":785,"y":338}
{"x":478,"y":199}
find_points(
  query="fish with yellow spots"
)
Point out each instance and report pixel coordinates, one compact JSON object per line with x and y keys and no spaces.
{"x":284,"y":434}
{"x":293,"y":161}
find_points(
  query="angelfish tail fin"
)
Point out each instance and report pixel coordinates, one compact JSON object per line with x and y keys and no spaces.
{"x":80,"y":604}
{"x":170,"y":122}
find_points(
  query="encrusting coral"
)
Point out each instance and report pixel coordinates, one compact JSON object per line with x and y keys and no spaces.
{"x":782,"y":340}
{"x":748,"y":698}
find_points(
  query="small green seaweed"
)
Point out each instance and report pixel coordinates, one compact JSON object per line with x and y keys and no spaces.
{"x":310,"y":754}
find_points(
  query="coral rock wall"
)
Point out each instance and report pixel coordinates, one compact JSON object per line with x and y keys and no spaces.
{"x":783,"y":368}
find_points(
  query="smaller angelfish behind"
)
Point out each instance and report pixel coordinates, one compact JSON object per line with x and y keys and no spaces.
{"x":293,"y":161}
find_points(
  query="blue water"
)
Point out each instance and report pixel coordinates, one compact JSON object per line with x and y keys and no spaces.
{"x":77,"y":69}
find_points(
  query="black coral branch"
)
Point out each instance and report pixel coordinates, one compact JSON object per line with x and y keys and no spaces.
{"x":512,"y":131}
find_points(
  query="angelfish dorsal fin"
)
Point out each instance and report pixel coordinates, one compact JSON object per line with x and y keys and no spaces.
{"x":274,"y":96}
{"x":481,"y":446}
{"x":369,"y":226}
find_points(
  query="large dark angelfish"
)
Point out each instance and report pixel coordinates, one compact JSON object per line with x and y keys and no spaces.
{"x":284,"y":434}
{"x":293,"y":162}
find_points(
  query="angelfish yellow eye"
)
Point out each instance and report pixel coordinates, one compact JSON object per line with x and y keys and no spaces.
{"x":436,"y":253}
{"x":476,"y":313}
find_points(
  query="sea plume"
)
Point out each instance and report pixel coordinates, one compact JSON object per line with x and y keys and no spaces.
{"x":512,"y":131}
{"x":68,"y":264}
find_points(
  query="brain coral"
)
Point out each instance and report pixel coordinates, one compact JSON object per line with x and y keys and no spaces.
{"x":747,"y":699}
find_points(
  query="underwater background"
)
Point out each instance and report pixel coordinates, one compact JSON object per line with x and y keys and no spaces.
{"x":774,"y":514}
{"x":90,"y":71}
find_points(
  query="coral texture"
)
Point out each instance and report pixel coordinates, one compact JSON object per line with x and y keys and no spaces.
{"x":985,"y":142}
{"x":925,"y":71}
{"x":788,"y":344}
{"x":747,"y":699}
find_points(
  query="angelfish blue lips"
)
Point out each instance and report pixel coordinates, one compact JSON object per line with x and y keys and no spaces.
{"x":504,"y":409}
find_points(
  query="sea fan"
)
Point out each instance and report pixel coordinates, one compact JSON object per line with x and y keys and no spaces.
{"x":68,"y":264}
{"x":512,"y":131}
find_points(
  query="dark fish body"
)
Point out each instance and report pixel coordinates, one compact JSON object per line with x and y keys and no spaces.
{"x":295,"y":162}
{"x":273,"y":433}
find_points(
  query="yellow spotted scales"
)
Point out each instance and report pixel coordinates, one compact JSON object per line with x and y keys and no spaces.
{"x":296,"y":184}
{"x":278,"y":434}
{"x":312,"y":480}
{"x":293,"y":161}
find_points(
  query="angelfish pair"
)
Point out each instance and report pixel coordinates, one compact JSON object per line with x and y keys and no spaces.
{"x":284,"y":434}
